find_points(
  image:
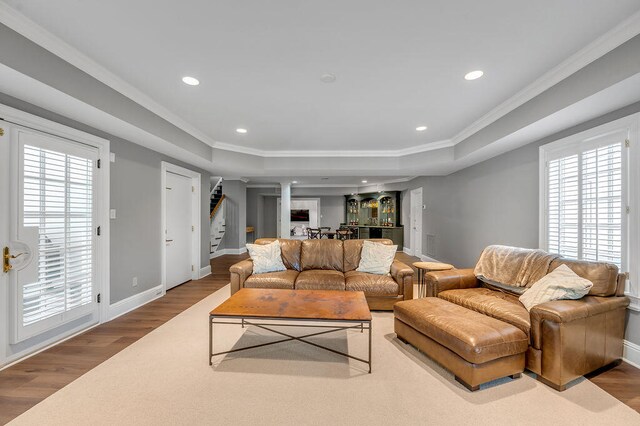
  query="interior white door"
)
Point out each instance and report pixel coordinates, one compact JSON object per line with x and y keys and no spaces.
{"x":416,"y":222}
{"x":179,"y":233}
{"x":53,"y":238}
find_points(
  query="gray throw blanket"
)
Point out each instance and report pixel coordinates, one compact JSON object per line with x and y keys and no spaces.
{"x":514,"y":266}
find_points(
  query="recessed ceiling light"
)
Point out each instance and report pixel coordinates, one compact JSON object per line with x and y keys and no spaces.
{"x":421,"y":128}
{"x":473,"y":75}
{"x":364,"y":181}
{"x":241,"y":130}
{"x":328,"y":77}
{"x":294,"y":181}
{"x":191,"y":81}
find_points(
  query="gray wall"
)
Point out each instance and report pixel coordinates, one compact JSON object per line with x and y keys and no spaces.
{"x":270,"y":217}
{"x":135,"y":194}
{"x":235,"y":236}
{"x":135,"y":238}
{"x":332,"y":209}
{"x":493,"y":202}
{"x":260,"y":211}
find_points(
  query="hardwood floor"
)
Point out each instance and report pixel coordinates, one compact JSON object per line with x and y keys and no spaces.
{"x":27,"y":383}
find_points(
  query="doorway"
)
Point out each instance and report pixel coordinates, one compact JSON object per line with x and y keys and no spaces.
{"x":416,"y":222}
{"x":180,"y":225}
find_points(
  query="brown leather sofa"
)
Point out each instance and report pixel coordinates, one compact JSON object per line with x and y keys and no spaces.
{"x":566,"y":338}
{"x":328,"y":265}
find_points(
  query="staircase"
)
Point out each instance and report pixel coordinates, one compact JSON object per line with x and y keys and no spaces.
{"x":217,"y":217}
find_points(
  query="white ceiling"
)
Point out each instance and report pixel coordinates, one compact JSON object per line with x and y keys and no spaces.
{"x":398,"y":64}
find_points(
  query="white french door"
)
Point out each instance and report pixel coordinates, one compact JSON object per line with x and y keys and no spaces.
{"x":53,"y":232}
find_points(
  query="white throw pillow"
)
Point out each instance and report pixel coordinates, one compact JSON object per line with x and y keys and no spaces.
{"x":266,"y":258}
{"x":376,"y":258}
{"x":560,"y":284}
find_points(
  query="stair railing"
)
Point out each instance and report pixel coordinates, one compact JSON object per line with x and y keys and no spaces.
{"x":217,"y":206}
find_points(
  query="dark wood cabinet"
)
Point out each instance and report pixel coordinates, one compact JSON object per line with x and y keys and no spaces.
{"x":377,"y":215}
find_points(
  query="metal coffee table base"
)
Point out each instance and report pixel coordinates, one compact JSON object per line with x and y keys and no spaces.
{"x":362,"y":325}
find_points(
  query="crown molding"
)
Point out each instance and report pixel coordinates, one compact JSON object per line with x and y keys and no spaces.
{"x":37,"y":34}
{"x":18,"y":22}
{"x":620,"y":34}
{"x":333,"y":185}
{"x":432,"y":146}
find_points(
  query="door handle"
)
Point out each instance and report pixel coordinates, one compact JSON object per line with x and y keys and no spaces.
{"x":168,"y":241}
{"x":6,"y":259}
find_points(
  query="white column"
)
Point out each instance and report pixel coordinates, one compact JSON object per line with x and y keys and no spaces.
{"x":285,"y":210}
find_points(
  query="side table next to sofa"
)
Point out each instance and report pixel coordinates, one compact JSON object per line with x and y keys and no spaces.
{"x":425,"y":267}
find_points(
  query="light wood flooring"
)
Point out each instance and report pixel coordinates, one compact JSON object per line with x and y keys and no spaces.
{"x":25,"y":384}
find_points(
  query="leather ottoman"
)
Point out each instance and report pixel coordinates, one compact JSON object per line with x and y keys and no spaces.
{"x":474,"y":347}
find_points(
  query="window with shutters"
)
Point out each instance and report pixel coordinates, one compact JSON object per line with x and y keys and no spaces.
{"x":584,"y":204}
{"x":586,"y":189}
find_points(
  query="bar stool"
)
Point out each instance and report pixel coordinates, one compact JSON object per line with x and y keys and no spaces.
{"x":423,"y":268}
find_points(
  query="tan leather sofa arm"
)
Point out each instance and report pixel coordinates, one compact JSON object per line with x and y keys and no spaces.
{"x":403,"y":275}
{"x":440,"y":281}
{"x":239,"y":273}
{"x":566,"y":311}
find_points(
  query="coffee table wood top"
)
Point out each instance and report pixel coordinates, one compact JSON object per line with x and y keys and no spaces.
{"x":296,"y":304}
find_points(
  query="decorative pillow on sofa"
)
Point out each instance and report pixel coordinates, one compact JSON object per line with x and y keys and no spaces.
{"x":266,"y":258}
{"x":560,"y":284}
{"x":376,"y":258}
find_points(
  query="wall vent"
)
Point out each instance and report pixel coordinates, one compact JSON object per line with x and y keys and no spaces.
{"x":431,"y":246}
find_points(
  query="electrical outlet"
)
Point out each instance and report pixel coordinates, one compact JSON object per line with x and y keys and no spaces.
{"x":112,"y":214}
{"x":134,"y":283}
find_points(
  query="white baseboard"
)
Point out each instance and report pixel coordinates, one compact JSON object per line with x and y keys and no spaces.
{"x":129,"y":304}
{"x":422,"y":257}
{"x":228,"y":251}
{"x":631,"y":353}
{"x":204,"y":272}
{"x":428,"y":259}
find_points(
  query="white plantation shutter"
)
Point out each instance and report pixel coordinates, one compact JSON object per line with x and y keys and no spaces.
{"x":563,"y":206}
{"x":58,"y":199}
{"x":602,"y":204}
{"x":585,"y":203}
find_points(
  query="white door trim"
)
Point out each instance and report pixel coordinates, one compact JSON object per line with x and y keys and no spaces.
{"x":24,"y":119}
{"x":412,"y":235}
{"x":195,"y":219}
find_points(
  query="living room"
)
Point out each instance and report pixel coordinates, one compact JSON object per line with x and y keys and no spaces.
{"x":389,"y":212}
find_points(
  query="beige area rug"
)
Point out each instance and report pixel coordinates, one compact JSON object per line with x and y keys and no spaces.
{"x":164,"y":378}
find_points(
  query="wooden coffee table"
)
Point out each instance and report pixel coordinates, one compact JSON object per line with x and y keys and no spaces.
{"x":268,"y":308}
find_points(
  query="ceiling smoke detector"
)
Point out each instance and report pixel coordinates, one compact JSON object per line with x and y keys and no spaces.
{"x":328,"y":77}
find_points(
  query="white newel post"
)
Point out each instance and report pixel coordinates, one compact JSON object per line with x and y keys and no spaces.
{"x":285,"y":210}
